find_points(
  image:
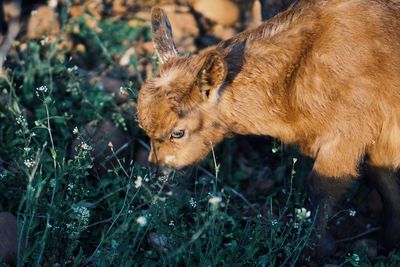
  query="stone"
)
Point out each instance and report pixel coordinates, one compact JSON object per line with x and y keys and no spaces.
{"x":110,"y":85}
{"x":43,"y":22}
{"x":9,"y":238}
{"x":103,"y":137}
{"x":223,"y":32}
{"x":220,"y":11}
{"x":184,"y":27}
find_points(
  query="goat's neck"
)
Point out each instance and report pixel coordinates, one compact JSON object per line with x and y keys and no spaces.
{"x":258,"y":98}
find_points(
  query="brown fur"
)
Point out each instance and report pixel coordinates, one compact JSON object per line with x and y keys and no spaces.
{"x":324,"y":74}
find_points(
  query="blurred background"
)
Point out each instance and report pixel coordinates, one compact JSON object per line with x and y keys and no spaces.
{"x":196,"y":23}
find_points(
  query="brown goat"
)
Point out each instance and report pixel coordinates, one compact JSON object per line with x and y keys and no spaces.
{"x":324,"y":74}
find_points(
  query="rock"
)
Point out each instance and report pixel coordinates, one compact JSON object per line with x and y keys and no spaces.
{"x":126,"y":57}
{"x":100,"y":135}
{"x":220,"y":11}
{"x":148,"y":47}
{"x":143,"y":15}
{"x":184,"y":27}
{"x":9,"y":238}
{"x":76,"y":11}
{"x":11,"y":10}
{"x":93,"y":7}
{"x":223,"y":32}
{"x":119,"y":7}
{"x":256,"y":14}
{"x":367,"y":245}
{"x":43,"y":22}
{"x":158,"y":242}
{"x":110,"y":85}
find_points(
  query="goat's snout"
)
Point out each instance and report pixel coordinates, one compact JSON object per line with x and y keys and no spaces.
{"x":161,"y":170}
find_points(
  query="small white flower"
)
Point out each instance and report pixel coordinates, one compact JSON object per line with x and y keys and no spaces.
{"x":42,"y":88}
{"x":52,"y":3}
{"x":122,"y":90}
{"x":110,"y":145}
{"x":302,"y":214}
{"x":192,"y":203}
{"x":142,"y":221}
{"x":171,"y":223}
{"x":45,"y":41}
{"x":355,"y":258}
{"x":114,"y":244}
{"x":75,"y":130}
{"x":29,"y":163}
{"x":274,"y":222}
{"x":72,"y":69}
{"x":21,"y":121}
{"x":163,"y":178}
{"x":352,"y":213}
{"x":70,"y":187}
{"x":27,"y":149}
{"x":85,"y":146}
{"x":214,"y":200}
{"x":138,"y":182}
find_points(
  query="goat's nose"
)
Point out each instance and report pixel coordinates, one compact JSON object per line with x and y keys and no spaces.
{"x":160,"y":170}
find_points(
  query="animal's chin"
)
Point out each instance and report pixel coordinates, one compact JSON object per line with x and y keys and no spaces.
{"x":176,"y":167}
{"x":168,"y":171}
{"x":182,"y":167}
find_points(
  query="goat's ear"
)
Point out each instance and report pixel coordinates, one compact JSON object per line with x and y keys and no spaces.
{"x":212,"y":75}
{"x":162,"y":35}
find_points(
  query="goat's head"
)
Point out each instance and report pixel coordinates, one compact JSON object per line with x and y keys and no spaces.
{"x":179,"y":109}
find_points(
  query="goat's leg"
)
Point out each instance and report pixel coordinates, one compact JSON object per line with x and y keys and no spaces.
{"x":386,"y":182}
{"x":334,"y":170}
{"x":324,"y":192}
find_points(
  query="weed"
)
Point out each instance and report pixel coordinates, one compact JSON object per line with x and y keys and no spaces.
{"x":70,"y":214}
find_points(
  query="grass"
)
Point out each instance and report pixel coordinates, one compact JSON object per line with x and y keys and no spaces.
{"x":71,"y":214}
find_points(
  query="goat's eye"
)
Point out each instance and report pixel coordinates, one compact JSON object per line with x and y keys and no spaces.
{"x":178,"y":134}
